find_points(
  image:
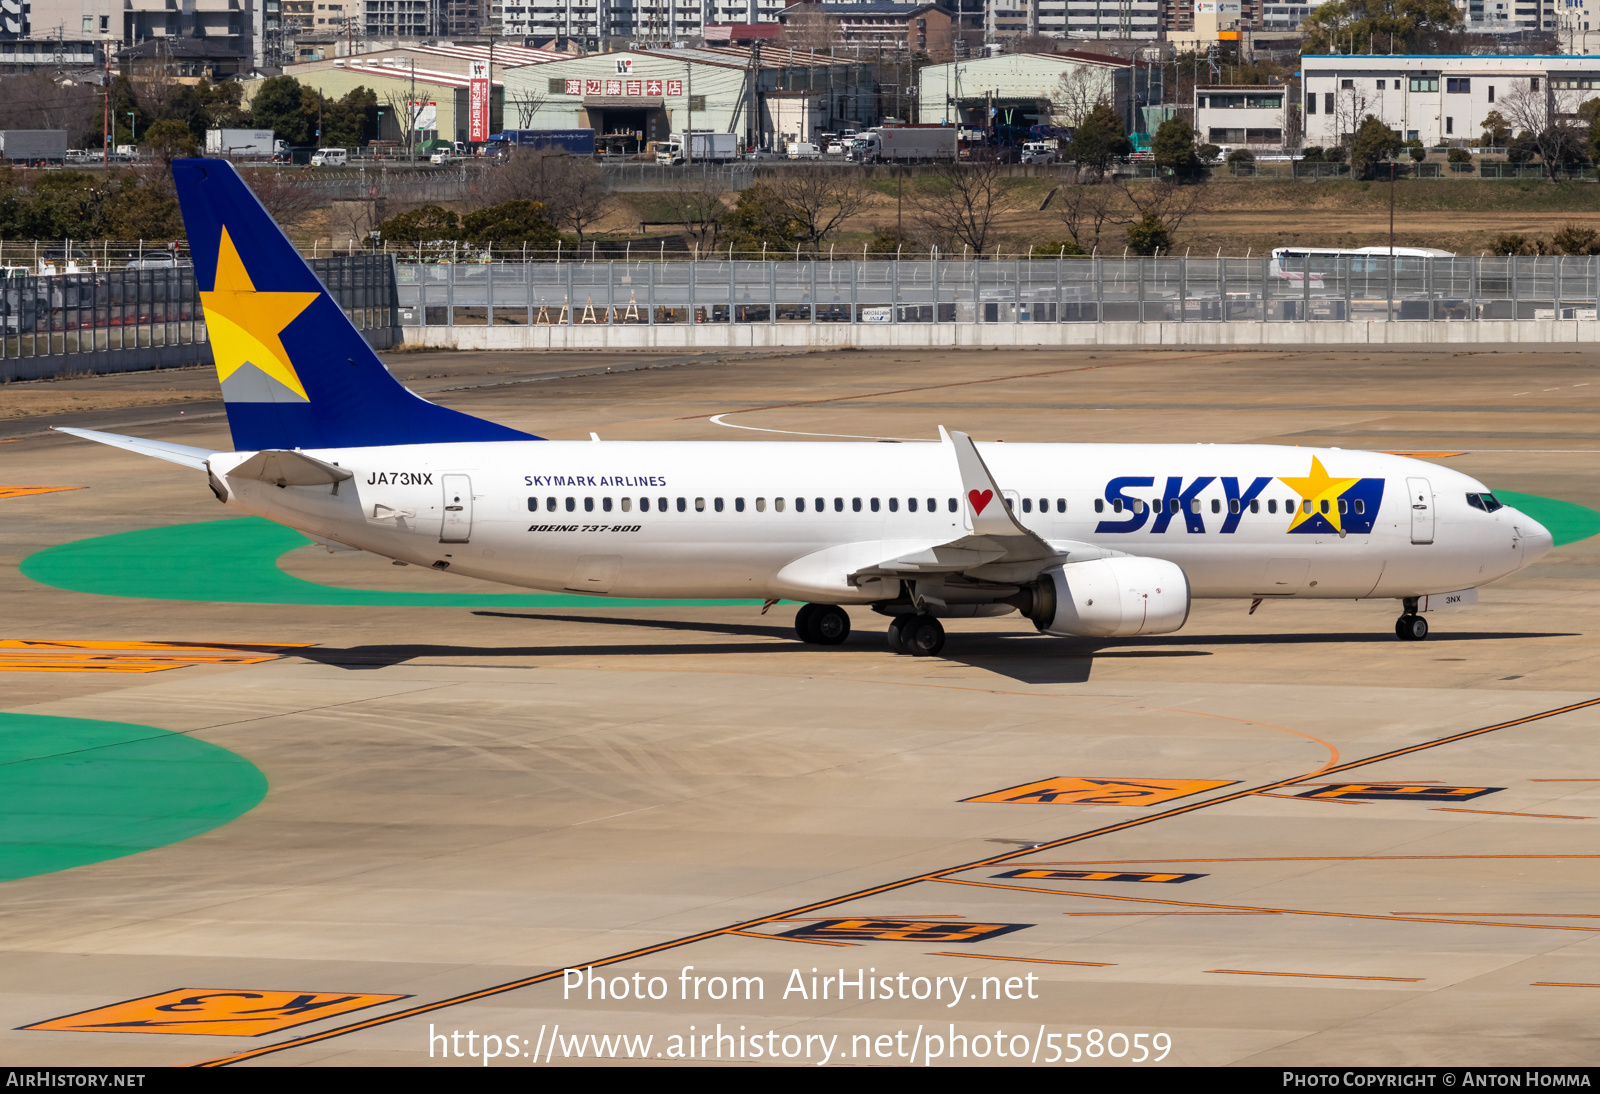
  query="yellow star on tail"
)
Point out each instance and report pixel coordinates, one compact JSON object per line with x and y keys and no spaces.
{"x":245,"y":326}
{"x":1316,"y":488}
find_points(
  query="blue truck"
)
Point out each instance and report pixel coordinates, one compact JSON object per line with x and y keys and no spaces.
{"x":580,"y":142}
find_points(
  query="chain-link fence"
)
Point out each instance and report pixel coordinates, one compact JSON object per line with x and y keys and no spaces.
{"x":1335,"y":288}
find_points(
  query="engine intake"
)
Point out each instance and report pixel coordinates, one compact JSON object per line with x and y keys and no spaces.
{"x":1111,"y":598}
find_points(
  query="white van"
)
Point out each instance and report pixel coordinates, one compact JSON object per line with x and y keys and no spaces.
{"x":330,"y":157}
{"x":803,"y":150}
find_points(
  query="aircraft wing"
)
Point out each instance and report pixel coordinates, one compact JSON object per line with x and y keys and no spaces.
{"x":998,"y":548}
{"x":161,"y":450}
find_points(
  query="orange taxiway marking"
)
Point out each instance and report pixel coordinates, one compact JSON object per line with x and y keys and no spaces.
{"x":1319,"y":975}
{"x":1028,"y":960}
{"x":25,"y":491}
{"x":1502,"y":813}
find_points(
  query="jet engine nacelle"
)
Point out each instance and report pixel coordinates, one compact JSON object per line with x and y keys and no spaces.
{"x":1111,"y":598}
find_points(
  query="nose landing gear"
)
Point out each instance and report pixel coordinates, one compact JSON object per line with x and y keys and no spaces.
{"x":1410,"y":627}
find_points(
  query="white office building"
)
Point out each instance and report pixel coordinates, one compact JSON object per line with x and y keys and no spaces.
{"x":1439,"y":99}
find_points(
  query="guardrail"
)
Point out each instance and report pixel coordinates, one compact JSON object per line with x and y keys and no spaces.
{"x":1344,"y":289}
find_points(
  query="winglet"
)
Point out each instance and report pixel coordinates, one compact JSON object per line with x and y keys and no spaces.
{"x":990,"y":514}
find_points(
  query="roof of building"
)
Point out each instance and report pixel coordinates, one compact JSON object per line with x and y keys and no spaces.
{"x":181,"y":49}
{"x":859,"y":7}
{"x":741,"y":32}
{"x":374,"y":65}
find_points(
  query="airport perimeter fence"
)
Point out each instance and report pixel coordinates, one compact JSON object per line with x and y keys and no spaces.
{"x":126,"y":319}
{"x":1339,"y":289}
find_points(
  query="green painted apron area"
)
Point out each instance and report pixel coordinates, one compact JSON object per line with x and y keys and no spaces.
{"x":75,"y":791}
{"x":235,"y":561}
{"x":1567,"y":521}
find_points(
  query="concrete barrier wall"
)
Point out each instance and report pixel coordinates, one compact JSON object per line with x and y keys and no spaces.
{"x":714,"y":336}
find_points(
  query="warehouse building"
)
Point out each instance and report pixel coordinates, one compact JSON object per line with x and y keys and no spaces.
{"x":1025,"y":89}
{"x":637,"y":96}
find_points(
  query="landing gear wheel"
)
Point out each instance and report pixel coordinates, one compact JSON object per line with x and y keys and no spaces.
{"x":830,"y":624}
{"x":1411,"y":628}
{"x":897,"y":633}
{"x":803,"y":622}
{"x":924,"y":636}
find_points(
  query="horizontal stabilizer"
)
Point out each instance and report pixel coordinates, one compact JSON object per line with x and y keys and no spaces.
{"x":161,"y":450}
{"x":284,"y":468}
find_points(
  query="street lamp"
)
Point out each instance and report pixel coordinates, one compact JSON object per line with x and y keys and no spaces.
{"x":133,"y":125}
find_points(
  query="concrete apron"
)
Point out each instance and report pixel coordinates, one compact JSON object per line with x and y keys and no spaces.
{"x":999,"y":335}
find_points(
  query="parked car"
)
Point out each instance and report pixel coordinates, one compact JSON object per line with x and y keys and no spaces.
{"x":443,"y":157}
{"x":835,"y":148}
{"x":1040,"y":152}
{"x":763,"y":154}
{"x":155,"y":260}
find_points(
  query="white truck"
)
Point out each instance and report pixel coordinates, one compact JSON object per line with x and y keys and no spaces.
{"x":34,"y":146}
{"x":704,"y":147}
{"x":905,"y":144}
{"x":240,"y":142}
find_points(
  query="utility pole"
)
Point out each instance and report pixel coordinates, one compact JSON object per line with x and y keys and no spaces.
{"x":105,"y":140}
{"x":688,"y":113}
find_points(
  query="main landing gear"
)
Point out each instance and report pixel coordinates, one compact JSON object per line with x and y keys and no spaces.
{"x":918,"y":635}
{"x":1410,"y":627}
{"x":822,"y":624}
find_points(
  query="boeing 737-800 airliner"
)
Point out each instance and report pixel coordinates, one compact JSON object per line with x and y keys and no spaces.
{"x":1098,"y":540}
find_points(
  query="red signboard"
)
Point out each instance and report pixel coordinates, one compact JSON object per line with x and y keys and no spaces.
{"x":478,"y":102}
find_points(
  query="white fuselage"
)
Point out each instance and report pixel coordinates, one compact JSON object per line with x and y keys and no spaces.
{"x":794,"y":520}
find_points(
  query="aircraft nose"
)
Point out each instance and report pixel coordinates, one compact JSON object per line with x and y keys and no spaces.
{"x":1536,"y":538}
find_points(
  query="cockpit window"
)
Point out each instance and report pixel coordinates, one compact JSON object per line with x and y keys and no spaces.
{"x":1476,"y":501}
{"x":1485,"y":501}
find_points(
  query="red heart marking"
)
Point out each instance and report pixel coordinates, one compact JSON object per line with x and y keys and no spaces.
{"x":980,"y":500}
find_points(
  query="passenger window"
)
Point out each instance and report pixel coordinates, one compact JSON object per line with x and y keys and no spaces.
{"x":954,"y":505}
{"x":588,"y":505}
{"x":1044,"y":505}
{"x":605,"y":503}
{"x":682,"y":504}
{"x":1306,"y":505}
{"x":661,"y":504}
{"x":911,"y":505}
{"x":874,"y":505}
{"x":644,"y":505}
{"x":533,"y":504}
{"x":1194,"y":505}
{"x":1061,"y":505}
{"x":894,"y":505}
{"x":1361,"y":507}
{"x":738,"y":505}
{"x":627,"y":505}
{"x":1116,"y":505}
{"x":820,"y":506}
{"x":572,"y":503}
{"x":1255,"y":506}
{"x":855,"y":505}
{"x":550,"y":504}
{"x":1027,"y":505}
{"x":1172,"y":505}
{"x":699,"y":505}
{"x":1233,"y":505}
{"x":1138,"y":505}
{"x":1272,"y":505}
{"x":761,"y":505}
{"x":838,"y":505}
{"x":1324,"y":505}
{"x":1010,"y":504}
{"x":1099,"y":505}
{"x":718,"y":504}
{"x":799,"y":505}
{"x":777,"y":503}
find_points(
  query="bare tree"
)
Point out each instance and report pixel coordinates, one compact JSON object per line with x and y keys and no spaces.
{"x":695,"y":203}
{"x":155,"y":82}
{"x":1077,"y":92}
{"x":1085,"y":211}
{"x":1293,"y":126}
{"x":287,"y":196}
{"x":964,"y":204}
{"x":527,"y":107}
{"x":1351,"y":107}
{"x":820,"y":199}
{"x":1169,"y":200}
{"x":36,"y":101}
{"x":1547,"y":117}
{"x":572,"y":189}
{"x":809,"y":26}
